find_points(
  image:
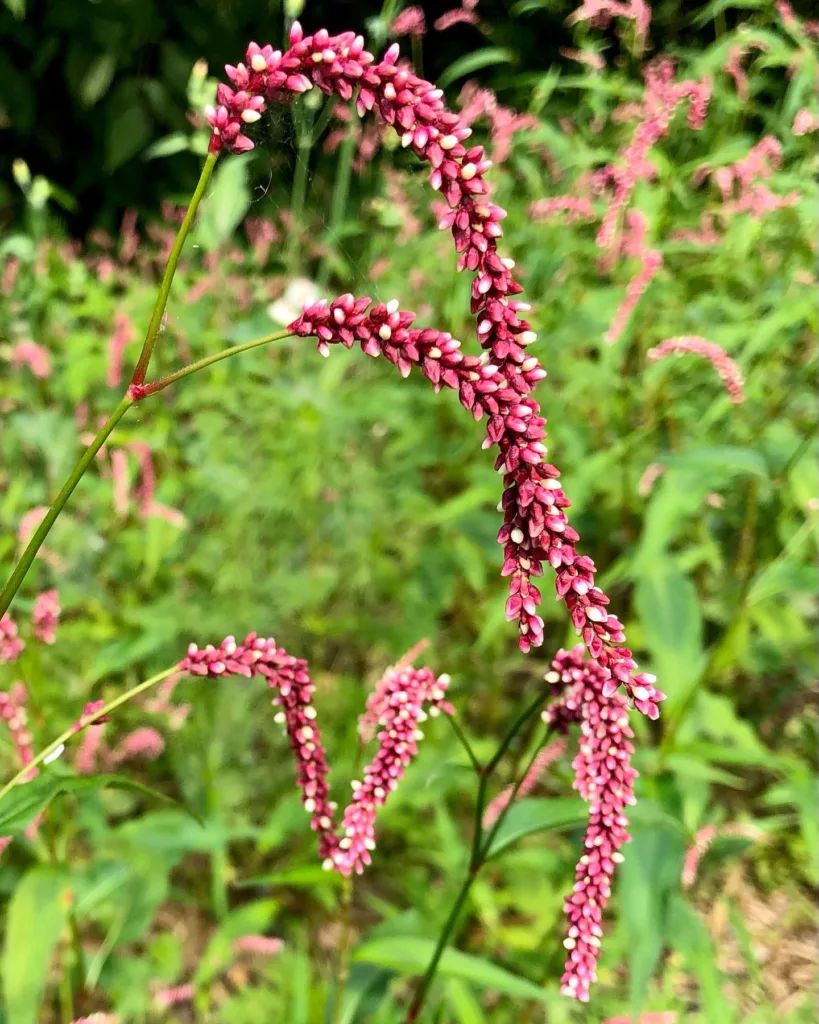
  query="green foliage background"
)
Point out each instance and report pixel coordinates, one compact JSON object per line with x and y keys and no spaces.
{"x":350,"y":513}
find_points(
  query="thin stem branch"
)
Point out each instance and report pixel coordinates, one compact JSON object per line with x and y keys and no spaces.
{"x":517,"y":725}
{"x":142,"y":391}
{"x":478,"y":854}
{"x":170,"y":269}
{"x":64,"y":737}
{"x":343,"y":964}
{"x":42,"y":531}
{"x":470,"y":753}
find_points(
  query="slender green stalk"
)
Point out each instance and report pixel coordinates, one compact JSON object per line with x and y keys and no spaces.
{"x":170,"y":269}
{"x":64,"y":737}
{"x":40,"y":534}
{"x":478,"y":855}
{"x":159,"y":385}
{"x":66,"y":993}
{"x":470,"y":753}
{"x":341,"y":190}
{"x":343,"y":964}
{"x":24,"y":564}
{"x":298,"y":194}
{"x":517,"y":725}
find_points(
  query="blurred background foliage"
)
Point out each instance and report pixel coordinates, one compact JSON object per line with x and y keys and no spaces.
{"x":351,"y":513}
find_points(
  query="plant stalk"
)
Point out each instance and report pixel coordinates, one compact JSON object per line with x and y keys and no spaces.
{"x":478,"y":855}
{"x":42,"y":531}
{"x":170,"y":269}
{"x":142,"y":391}
{"x":64,"y":737}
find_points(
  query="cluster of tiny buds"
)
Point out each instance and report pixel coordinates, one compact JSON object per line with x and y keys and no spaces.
{"x":604,"y":777}
{"x":400,"y":700}
{"x":13,"y":713}
{"x":11,"y":644}
{"x":400,"y":710}
{"x":498,"y":386}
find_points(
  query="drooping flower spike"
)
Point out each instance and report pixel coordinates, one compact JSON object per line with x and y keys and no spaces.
{"x":535,"y":530}
{"x":604,"y":778}
{"x":401,"y":710}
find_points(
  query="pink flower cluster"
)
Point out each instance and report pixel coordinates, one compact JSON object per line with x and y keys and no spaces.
{"x":805,"y":122}
{"x":741,"y":182}
{"x":651,"y":261}
{"x":45,"y":616}
{"x":122,"y":337}
{"x":258,"y":945}
{"x":504,"y":123}
{"x":703,"y":840}
{"x":535,"y":528}
{"x":728,"y":370}
{"x":605,"y":778}
{"x":463,"y":15}
{"x":662,"y":96}
{"x":11,"y":645}
{"x":545,"y":757}
{"x":400,"y":711}
{"x":622,"y":231}
{"x":32,"y":355}
{"x":13,"y":713}
{"x":600,"y":12}
{"x":410,"y":22}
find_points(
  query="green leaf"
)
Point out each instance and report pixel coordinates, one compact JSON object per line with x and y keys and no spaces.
{"x":17,"y":8}
{"x":25,"y":802}
{"x":225,"y":205}
{"x":364,"y":992}
{"x":688,"y":934}
{"x":538,"y":815}
{"x":36,"y":917}
{"x":251,"y":919}
{"x":669,"y":613}
{"x":462,"y":1002}
{"x":97,"y":79}
{"x":650,"y":871}
{"x":126,"y":135}
{"x":168,"y":145}
{"x":305,"y":876}
{"x":465,"y":65}
{"x":410,"y":956}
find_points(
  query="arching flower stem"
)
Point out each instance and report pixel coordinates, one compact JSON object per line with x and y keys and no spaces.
{"x":155,"y":323}
{"x":100,"y":712}
{"x":481,"y":845}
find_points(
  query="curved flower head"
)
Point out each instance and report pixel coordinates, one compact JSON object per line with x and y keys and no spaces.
{"x":604,"y":778}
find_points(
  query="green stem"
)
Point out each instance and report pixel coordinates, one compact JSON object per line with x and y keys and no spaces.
{"x":40,"y":534}
{"x":470,"y":753}
{"x":64,"y":737}
{"x":170,"y":269}
{"x":516,"y":727}
{"x":343,"y":969}
{"x":159,"y":385}
{"x":341,"y":190}
{"x":299,"y":192}
{"x":477,"y":857}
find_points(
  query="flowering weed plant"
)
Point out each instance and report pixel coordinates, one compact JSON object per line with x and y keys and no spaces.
{"x":594,"y":688}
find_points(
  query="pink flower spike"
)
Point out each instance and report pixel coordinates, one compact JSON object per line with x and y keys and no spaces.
{"x":46,"y":616}
{"x":729,"y":372}
{"x":546,"y":757}
{"x":167,"y":997}
{"x":258,"y":945}
{"x":536,"y":530}
{"x":122,"y":337}
{"x":10,"y":643}
{"x":604,"y":778}
{"x":144,"y":743}
{"x":410,"y":22}
{"x":32,"y":355}
{"x":402,"y":700}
